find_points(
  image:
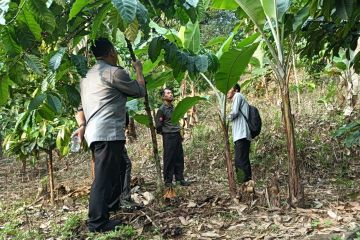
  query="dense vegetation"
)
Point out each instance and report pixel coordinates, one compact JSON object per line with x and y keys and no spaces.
{"x":301,"y":56}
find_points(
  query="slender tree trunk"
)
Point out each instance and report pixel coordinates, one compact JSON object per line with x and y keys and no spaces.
{"x":154,"y":140}
{"x":193,"y":112}
{"x":296,"y":194}
{"x":132,"y":130}
{"x":228,"y":159}
{"x":296,"y":80}
{"x":51,"y":175}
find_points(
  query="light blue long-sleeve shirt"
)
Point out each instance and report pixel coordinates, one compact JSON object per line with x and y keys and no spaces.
{"x":240,"y":128}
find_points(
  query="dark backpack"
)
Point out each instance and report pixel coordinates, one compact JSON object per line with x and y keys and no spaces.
{"x":254,"y":121}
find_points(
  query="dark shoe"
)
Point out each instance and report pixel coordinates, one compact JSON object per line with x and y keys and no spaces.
{"x":109,"y":226}
{"x":168,"y":185}
{"x":183,"y":183}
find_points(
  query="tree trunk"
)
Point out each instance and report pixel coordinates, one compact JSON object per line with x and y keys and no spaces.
{"x":154,"y":140}
{"x":228,"y":159}
{"x":296,"y":81}
{"x":51,"y":176}
{"x":193,"y":113}
{"x":132,"y":130}
{"x":296,"y":194}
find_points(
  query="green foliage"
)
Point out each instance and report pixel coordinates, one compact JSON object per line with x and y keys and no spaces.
{"x":4,"y":89}
{"x":123,"y":232}
{"x":232,"y":65}
{"x":66,"y":231}
{"x":179,"y":61}
{"x":55,"y":60}
{"x":127,"y":9}
{"x":351,"y":132}
{"x":142,"y":118}
{"x":228,"y":5}
{"x":183,"y":106}
{"x":76,"y":8}
{"x":191,"y":37}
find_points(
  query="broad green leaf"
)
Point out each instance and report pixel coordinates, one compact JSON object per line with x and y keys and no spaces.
{"x":215,"y":41}
{"x":72,"y":95}
{"x":32,"y":23}
{"x":226,"y":45}
{"x":80,"y":63}
{"x":232,"y":65}
{"x":344,"y":8}
{"x":4,"y":89}
{"x":224,"y":4}
{"x":148,"y":65}
{"x":300,"y":17}
{"x":77,"y":7}
{"x":43,"y":15}
{"x":127,"y":9}
{"x":55,"y":60}
{"x":4,"y":6}
{"x":183,"y":106}
{"x":158,"y":79}
{"x":254,"y":10}
{"x":54,"y":103}
{"x":98,"y":20}
{"x":142,"y":14}
{"x":282,"y":6}
{"x":155,"y":47}
{"x":142,"y":119}
{"x":157,"y":28}
{"x":34,"y":63}
{"x":48,"y":82}
{"x":9,"y":43}
{"x":192,"y":37}
{"x":248,"y":40}
{"x":46,"y":112}
{"x":132,"y":30}
{"x":269,"y":7}
{"x":36,"y":102}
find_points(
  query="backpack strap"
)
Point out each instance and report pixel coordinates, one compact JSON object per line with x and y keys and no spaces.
{"x":247,"y":121}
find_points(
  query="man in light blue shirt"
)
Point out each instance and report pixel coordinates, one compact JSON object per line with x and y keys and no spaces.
{"x":241,"y":133}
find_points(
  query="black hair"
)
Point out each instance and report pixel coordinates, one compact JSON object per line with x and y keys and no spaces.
{"x":162,"y":91}
{"x":236,"y":87}
{"x":101,"y":47}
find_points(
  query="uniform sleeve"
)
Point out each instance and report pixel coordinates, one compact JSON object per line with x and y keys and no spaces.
{"x":122,"y":81}
{"x":159,"y":119}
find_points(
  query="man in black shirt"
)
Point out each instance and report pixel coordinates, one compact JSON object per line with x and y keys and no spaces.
{"x":172,"y":141}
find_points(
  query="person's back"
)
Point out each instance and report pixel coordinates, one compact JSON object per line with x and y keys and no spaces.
{"x":106,"y":85}
{"x":240,"y":128}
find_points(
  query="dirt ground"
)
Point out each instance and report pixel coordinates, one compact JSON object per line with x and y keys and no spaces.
{"x":202,"y":210}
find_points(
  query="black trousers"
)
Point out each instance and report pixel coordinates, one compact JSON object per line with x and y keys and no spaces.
{"x":108,"y":182}
{"x":242,"y":161}
{"x":126,"y":192}
{"x":173,"y":157}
